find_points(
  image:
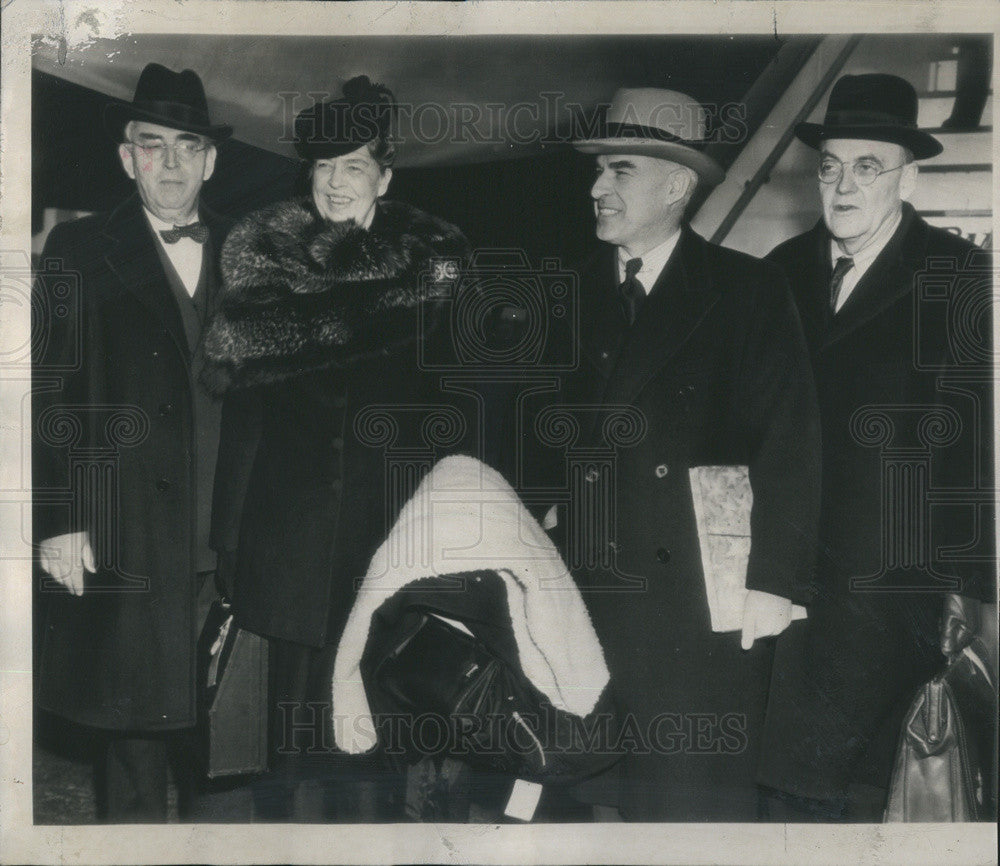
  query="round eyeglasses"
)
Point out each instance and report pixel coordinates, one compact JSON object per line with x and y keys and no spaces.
{"x":184,"y":150}
{"x":864,"y":171}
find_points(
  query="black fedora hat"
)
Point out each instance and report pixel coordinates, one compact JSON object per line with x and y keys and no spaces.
{"x":874,"y":107}
{"x":338,"y":126}
{"x":168,"y":98}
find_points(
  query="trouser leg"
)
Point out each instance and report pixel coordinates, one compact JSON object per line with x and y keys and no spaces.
{"x":136,"y":779}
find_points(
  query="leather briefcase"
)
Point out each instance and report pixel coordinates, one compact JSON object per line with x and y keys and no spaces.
{"x":946,"y":762}
{"x":233,"y":697}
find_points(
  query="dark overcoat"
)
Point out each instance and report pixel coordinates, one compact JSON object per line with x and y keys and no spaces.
{"x":329,"y":423}
{"x":904,"y":386}
{"x":713,"y":372}
{"x":114,"y":453}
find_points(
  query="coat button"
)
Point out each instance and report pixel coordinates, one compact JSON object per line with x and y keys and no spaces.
{"x":592,"y":475}
{"x":338,"y":443}
{"x":661,"y":470}
{"x":663,"y":555}
{"x":166,"y":408}
{"x":605,"y":355}
{"x":685,"y":391}
{"x":162,"y":485}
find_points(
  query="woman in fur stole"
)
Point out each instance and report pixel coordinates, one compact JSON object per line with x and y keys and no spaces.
{"x":328,"y":424}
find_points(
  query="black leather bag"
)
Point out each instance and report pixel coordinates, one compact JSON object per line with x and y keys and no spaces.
{"x":232,"y":700}
{"x":946,"y":763}
{"x":441,"y":687}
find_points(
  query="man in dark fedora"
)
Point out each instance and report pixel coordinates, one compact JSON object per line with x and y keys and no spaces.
{"x":127,"y":559}
{"x":905,"y":399}
{"x":701,"y":348}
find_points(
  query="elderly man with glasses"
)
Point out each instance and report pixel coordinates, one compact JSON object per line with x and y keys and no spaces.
{"x":897,"y":317}
{"x":128,"y":570}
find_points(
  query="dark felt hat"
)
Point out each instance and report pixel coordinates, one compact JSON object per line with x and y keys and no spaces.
{"x":338,"y":126}
{"x":173,"y":99}
{"x":874,"y":107}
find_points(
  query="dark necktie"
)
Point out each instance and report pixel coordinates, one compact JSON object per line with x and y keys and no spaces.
{"x":844,"y":264}
{"x":631,"y":290}
{"x":198,"y":232}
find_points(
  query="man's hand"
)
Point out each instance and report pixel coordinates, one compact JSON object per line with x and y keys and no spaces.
{"x":764,"y":615}
{"x":65,"y":557}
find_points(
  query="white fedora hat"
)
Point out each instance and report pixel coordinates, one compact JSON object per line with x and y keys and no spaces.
{"x":650,"y":121}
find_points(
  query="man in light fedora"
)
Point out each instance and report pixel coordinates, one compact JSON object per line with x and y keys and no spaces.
{"x":127,"y":563}
{"x":703,"y":346}
{"x":890,"y":358}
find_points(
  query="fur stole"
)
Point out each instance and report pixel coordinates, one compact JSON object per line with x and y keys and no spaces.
{"x":301,"y":294}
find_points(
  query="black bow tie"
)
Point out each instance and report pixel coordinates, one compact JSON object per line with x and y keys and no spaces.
{"x":198,"y":232}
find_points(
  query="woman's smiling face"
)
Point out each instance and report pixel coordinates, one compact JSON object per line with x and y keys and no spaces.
{"x":346,"y":187}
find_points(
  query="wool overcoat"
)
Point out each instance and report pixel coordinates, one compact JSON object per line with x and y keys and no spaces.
{"x":905,"y":392}
{"x":114,"y":453}
{"x":713,"y":372}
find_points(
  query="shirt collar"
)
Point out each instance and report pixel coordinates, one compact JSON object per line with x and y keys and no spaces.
{"x":159,"y":225}
{"x":870,"y":251}
{"x":653,"y":262}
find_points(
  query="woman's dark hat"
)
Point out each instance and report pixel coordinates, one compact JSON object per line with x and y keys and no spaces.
{"x":339,"y":126}
{"x":173,"y":99}
{"x":874,"y":107}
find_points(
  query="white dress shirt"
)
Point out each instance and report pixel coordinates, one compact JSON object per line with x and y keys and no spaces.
{"x":863,"y":258}
{"x":185,"y":255}
{"x":653,"y":262}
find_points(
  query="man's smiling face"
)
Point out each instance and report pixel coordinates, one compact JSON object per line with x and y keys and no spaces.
{"x":632,"y":201}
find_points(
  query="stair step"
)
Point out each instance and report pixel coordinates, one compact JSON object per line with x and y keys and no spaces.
{"x":936,"y":109}
{"x":963,"y":168}
{"x":958,"y":191}
{"x":973,"y":227}
{"x":942,"y":130}
{"x":927,"y":94}
{"x":961,"y":148}
{"x":957,"y":213}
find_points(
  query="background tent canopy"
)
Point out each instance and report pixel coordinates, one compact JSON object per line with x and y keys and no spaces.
{"x":463,"y":99}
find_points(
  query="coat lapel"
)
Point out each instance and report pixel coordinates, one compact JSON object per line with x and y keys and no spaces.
{"x":889,"y":278}
{"x":133,"y":258}
{"x":812,"y":278}
{"x":602,"y":322}
{"x":677,"y":304}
